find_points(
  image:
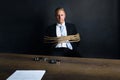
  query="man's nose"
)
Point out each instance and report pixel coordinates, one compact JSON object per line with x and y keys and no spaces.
{"x":59,"y":17}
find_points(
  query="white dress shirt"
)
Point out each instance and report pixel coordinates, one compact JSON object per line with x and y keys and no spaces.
{"x":61,"y":31}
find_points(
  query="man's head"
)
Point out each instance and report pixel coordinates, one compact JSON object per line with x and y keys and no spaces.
{"x":60,"y":15}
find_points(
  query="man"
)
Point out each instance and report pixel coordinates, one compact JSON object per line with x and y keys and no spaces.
{"x":61,"y":37}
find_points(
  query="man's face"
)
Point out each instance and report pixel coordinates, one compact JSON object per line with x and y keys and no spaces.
{"x":60,"y":16}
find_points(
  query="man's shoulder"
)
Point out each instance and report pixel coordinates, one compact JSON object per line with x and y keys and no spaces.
{"x":52,"y":26}
{"x":69,"y":24}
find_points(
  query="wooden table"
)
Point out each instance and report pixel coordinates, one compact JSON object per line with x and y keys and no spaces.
{"x":68,"y":69}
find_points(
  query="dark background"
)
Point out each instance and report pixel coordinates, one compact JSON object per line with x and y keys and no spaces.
{"x":23,"y":22}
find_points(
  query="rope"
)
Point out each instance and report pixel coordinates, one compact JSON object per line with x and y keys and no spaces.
{"x":71,"y":38}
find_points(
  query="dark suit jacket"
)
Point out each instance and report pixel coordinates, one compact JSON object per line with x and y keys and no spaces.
{"x":71,"y":30}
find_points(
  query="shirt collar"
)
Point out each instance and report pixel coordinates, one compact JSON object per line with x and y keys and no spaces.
{"x":63,"y":24}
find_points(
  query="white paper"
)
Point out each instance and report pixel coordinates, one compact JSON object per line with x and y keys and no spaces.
{"x":27,"y":75}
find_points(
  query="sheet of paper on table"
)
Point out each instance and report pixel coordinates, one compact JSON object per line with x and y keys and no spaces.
{"x":27,"y":75}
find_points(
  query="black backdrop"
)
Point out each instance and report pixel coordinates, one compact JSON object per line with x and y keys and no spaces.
{"x":23,"y":22}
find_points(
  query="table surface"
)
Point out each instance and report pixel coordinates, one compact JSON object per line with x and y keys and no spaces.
{"x":70,"y":68}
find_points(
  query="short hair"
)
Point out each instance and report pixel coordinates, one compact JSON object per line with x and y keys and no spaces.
{"x":59,"y":8}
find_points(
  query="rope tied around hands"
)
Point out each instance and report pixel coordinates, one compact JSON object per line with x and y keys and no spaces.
{"x":70,"y":38}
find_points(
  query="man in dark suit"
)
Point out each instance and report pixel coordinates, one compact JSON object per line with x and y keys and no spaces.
{"x":59,"y":29}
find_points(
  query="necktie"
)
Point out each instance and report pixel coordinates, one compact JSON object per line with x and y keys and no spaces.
{"x":63,"y":34}
{"x":62,"y":31}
